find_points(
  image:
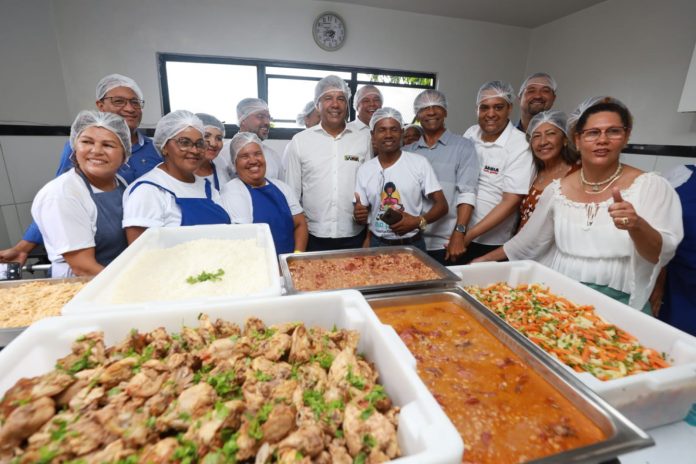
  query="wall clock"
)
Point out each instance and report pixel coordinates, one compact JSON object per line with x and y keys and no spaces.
{"x":329,"y":31}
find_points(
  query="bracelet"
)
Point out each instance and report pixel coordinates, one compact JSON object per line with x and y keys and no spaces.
{"x":298,"y":251}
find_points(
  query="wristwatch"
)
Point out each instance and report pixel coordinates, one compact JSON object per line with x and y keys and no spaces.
{"x":460,"y":228}
{"x":423,"y":223}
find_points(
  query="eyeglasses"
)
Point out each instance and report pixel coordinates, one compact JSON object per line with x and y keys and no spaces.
{"x":612,"y":133}
{"x":120,"y":102}
{"x":185,"y":143}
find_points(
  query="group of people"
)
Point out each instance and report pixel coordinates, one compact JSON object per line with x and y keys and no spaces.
{"x":551,"y":188}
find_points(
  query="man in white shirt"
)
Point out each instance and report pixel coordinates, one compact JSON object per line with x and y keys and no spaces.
{"x":391,"y":189}
{"x":537,"y":93}
{"x":253,"y":116}
{"x":322,"y":163}
{"x":368,"y":99}
{"x":506,"y":171}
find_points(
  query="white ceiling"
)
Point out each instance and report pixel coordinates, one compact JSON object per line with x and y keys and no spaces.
{"x":522,"y":13}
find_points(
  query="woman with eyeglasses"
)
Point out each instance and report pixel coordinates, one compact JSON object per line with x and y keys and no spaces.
{"x":171,"y":194}
{"x":213,"y":167}
{"x":608,"y":225}
{"x":79,"y":212}
{"x":251,"y":197}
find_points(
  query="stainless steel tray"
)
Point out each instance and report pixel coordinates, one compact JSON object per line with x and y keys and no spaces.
{"x":9,"y":334}
{"x":447,"y":277}
{"x":622,"y":435}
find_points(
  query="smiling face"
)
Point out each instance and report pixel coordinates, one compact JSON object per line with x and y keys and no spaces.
{"x":259,"y":123}
{"x":432,"y":118}
{"x":312,"y":119}
{"x":333,"y":107}
{"x":537,"y":97}
{"x":386,"y":136}
{"x":493,"y":115}
{"x":547,"y":142}
{"x":251,"y":165}
{"x":213,"y":142}
{"x":182,"y":162}
{"x":99,"y":153}
{"x":411,"y":135}
{"x":133,"y":116}
{"x":605,"y":151}
{"x":367,"y":106}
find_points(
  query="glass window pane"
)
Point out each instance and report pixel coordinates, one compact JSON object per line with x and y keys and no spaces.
{"x":301,"y":72}
{"x":402,"y":80}
{"x":210,"y":88}
{"x":287,"y":98}
{"x":399,"y":98}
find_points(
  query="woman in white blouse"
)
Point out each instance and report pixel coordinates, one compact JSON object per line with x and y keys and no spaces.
{"x":213,"y":167}
{"x":608,"y":225}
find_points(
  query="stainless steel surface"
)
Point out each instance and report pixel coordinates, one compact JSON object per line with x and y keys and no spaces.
{"x":447,"y":277}
{"x":622,"y":435}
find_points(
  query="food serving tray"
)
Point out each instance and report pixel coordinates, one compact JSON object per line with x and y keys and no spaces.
{"x":9,"y":334}
{"x":649,"y":399}
{"x":425,"y":434}
{"x":622,"y":435}
{"x":445,"y":276}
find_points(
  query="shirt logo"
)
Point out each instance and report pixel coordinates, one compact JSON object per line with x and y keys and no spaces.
{"x":351,"y":158}
{"x":491,"y":169}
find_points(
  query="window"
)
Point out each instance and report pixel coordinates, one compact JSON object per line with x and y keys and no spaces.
{"x":215,"y":84}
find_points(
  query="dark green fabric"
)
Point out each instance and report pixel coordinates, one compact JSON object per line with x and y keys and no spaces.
{"x":617,"y":295}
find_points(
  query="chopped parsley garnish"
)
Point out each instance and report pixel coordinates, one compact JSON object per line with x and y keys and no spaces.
{"x":205,"y":276}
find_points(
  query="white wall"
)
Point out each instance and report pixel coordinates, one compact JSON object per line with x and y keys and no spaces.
{"x":635,"y":50}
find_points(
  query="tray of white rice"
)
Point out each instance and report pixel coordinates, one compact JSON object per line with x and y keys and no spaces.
{"x":165,"y":267}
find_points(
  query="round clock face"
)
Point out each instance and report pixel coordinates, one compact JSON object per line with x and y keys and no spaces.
{"x":329,"y":31}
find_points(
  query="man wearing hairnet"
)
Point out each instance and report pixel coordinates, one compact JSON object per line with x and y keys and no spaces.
{"x":309,"y":117}
{"x":322,"y":163}
{"x":456,"y":165}
{"x":253,"y":116}
{"x":115,"y":94}
{"x":537,"y":93}
{"x":368,"y":99}
{"x":506,"y":170}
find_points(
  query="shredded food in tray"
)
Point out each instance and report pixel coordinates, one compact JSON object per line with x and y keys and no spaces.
{"x":27,"y":303}
{"x":576,"y":335}
{"x":358,"y":271}
{"x":213,"y":394}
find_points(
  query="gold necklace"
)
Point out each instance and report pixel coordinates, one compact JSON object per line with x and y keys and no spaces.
{"x":595,"y":185}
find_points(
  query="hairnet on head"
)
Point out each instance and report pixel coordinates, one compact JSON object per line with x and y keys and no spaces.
{"x":328,"y":84}
{"x":493,"y":89}
{"x":539,"y":78}
{"x":363,"y":92}
{"x":384,"y":113}
{"x":306,"y":111}
{"x":557,"y":118}
{"x":209,"y":120}
{"x":116,"y":80}
{"x":173,"y":123}
{"x":418,"y":127}
{"x":586,"y":104}
{"x":241,"y":140}
{"x":430,"y":97}
{"x":248,"y":106}
{"x":109,"y":121}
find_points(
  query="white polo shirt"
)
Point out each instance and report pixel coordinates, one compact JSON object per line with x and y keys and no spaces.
{"x":506,"y":167}
{"x":321,"y":171}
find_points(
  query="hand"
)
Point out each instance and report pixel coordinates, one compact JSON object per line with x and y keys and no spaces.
{"x":658,"y":293}
{"x":407,"y":224}
{"x":13,"y":255}
{"x":623,"y":213}
{"x":456,"y":247}
{"x":361,"y":213}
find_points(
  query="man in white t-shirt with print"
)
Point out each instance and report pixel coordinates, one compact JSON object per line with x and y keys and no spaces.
{"x":391,"y":189}
{"x":506,"y":171}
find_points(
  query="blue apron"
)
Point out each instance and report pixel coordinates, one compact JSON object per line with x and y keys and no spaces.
{"x":271,"y":207}
{"x":216,"y":181}
{"x":195,"y":211}
{"x":110,"y":239}
{"x":679,"y":303}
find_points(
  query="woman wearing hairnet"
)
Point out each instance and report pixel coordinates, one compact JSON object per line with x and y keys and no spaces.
{"x":252,"y":198}
{"x":212,"y":167}
{"x":171,"y":194}
{"x":79,"y":212}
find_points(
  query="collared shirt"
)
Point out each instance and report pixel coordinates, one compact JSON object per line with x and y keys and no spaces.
{"x":360,"y":127}
{"x":321,"y":171}
{"x":456,"y":165}
{"x":506,"y":167}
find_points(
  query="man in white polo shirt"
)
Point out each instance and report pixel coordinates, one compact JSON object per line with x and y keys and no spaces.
{"x":322,"y":163}
{"x":506,"y":171}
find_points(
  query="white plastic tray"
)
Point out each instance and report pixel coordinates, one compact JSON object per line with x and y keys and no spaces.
{"x":425,"y":433}
{"x":96,"y":295}
{"x":649,"y":399}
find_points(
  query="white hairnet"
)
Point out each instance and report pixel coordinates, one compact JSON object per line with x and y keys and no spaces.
{"x":384,"y":113}
{"x":248,"y":106}
{"x":575,"y":115}
{"x":308,"y":108}
{"x":538,"y":79}
{"x":108,"y":121}
{"x":116,"y":80}
{"x":493,"y":89}
{"x":557,"y":118}
{"x":328,"y":84}
{"x":241,"y":140}
{"x":171,"y":124}
{"x":418,"y":127}
{"x":209,"y":120}
{"x":363,"y":92}
{"x":430,"y":97}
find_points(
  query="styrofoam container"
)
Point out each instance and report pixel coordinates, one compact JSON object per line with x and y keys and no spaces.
{"x":425,"y":434}
{"x":96,"y":296}
{"x":648,"y":399}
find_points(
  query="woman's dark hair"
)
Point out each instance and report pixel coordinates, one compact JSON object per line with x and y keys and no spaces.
{"x":622,"y":111}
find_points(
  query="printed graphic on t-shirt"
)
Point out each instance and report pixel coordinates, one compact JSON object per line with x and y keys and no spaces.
{"x":389,"y":198}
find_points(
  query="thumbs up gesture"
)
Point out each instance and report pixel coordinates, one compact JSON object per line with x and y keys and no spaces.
{"x":622,"y":212}
{"x":360,"y":212}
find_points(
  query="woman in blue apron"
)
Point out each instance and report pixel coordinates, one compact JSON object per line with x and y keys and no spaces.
{"x":171,"y":194}
{"x":214,"y":167}
{"x":79,"y":213}
{"x":252,"y":198}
